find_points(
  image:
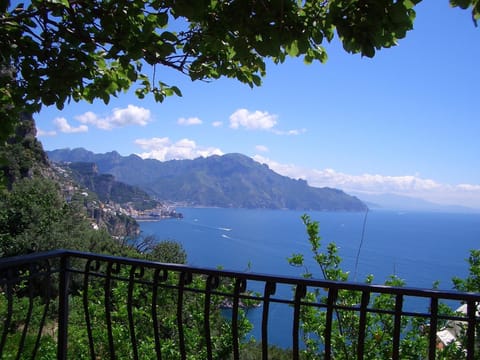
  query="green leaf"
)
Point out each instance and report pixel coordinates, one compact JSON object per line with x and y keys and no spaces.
{"x":162,"y":19}
{"x":292,"y":49}
{"x":296,"y":260}
{"x":176,"y":90}
{"x":106,"y":98}
{"x":464,"y":4}
{"x":368,"y":51}
{"x":257,"y":80}
{"x":65,"y":3}
{"x":168,"y":36}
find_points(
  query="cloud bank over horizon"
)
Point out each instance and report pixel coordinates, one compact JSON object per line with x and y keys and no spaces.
{"x":407,"y":185}
{"x":414,"y":186}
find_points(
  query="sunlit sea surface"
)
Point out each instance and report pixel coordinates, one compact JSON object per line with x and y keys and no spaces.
{"x":419,"y":247}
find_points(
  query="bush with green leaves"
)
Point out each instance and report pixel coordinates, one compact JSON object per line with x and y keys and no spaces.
{"x":379,"y":326}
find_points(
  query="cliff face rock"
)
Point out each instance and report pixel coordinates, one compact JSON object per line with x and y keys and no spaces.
{"x":22,"y":156}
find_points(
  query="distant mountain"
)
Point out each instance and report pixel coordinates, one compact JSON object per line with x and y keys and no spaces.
{"x":407,"y":203}
{"x":231,"y":180}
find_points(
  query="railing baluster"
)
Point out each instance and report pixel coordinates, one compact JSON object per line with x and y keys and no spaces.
{"x":300,"y":292}
{"x":86,"y":310}
{"x":332,"y":298}
{"x":108,"y":309}
{"x":397,"y":327}
{"x":131,"y":322}
{"x":212,"y":283}
{"x":240,"y":286}
{"x":270,"y":288}
{"x":156,"y":280}
{"x":433,"y":328}
{"x":471,"y":313}
{"x":185,"y":279}
{"x":32,"y":269}
{"x":362,"y":324}
{"x":63,"y":288}
{"x":48,"y":297}
{"x":8,"y":317}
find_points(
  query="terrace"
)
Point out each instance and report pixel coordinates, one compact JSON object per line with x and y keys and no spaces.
{"x":65,"y":301}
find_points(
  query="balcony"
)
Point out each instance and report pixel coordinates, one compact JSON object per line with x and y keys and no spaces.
{"x":87,"y":306}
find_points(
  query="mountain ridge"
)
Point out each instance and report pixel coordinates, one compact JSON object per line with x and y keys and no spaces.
{"x":390,"y":201}
{"x":231,"y":180}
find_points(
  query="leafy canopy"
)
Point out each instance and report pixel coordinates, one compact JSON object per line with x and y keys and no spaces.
{"x":52,"y":52}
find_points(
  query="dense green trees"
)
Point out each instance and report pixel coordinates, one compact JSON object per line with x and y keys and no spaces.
{"x":32,"y":218}
{"x":168,"y":251}
{"x":35,"y":217}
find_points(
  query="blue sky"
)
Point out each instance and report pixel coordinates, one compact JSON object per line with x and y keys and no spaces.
{"x":405,"y":122}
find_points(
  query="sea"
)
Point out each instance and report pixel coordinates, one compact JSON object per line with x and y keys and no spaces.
{"x":419,"y":247}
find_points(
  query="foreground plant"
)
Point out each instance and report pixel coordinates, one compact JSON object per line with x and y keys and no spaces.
{"x":379,"y":327}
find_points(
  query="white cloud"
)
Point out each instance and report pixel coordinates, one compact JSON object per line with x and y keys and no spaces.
{"x":469,"y":187}
{"x":131,"y":115}
{"x":41,"y":132}
{"x":217,"y":123}
{"x":406,"y":185}
{"x":257,"y":120}
{"x":189,"y":121}
{"x":88,"y":118}
{"x":292,"y":132}
{"x":164,"y":149}
{"x":63,"y":126}
{"x":261,"y":148}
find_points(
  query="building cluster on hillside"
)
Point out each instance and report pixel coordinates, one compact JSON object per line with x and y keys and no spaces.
{"x":119,"y":219}
{"x":161,"y":212}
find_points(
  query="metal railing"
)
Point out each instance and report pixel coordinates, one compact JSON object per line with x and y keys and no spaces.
{"x":92,"y":306}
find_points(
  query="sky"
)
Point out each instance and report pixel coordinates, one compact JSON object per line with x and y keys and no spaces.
{"x":405,"y":122}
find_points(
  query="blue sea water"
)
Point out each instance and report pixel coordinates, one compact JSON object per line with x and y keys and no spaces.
{"x":419,"y":247}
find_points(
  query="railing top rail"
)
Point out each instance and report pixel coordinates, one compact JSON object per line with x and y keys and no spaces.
{"x":7,"y":262}
{"x":287,"y":280}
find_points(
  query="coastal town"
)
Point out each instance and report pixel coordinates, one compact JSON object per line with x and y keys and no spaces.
{"x":158,"y":213}
{"x":106,"y":202}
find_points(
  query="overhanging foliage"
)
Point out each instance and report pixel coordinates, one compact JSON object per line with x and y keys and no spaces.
{"x":52,"y":52}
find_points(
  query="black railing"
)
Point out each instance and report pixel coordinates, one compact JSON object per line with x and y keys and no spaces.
{"x":79,"y":305}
